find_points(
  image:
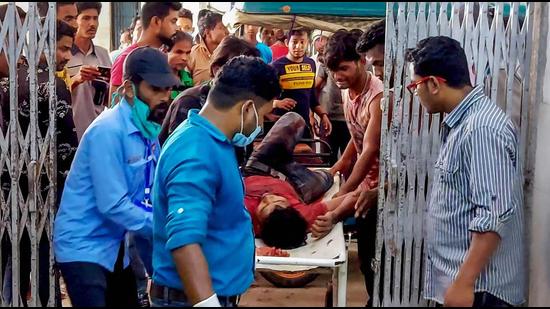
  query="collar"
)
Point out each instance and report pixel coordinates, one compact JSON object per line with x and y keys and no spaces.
{"x":126,"y":113}
{"x":200,"y":121}
{"x":75,"y":50}
{"x":456,"y":115}
{"x":202,"y":45}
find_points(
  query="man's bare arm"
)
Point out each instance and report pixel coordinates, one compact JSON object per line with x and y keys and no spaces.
{"x":193,"y":271}
{"x":480,"y":252}
{"x":345,"y":163}
{"x":371,"y":148}
{"x":461,"y":292}
{"x":319,"y":83}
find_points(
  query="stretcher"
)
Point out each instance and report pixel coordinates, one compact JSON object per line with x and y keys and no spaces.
{"x":316,"y":256}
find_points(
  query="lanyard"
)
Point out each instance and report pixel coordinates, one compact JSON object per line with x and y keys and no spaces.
{"x":149,"y":174}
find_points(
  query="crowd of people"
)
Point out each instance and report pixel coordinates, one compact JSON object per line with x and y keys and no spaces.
{"x":159,"y":177}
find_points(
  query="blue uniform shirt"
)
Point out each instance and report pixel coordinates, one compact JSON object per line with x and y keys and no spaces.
{"x":198,"y":195}
{"x":106,"y":179}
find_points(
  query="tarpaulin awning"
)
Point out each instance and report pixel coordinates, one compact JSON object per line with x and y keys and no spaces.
{"x":325,"y":16}
{"x":351,"y":9}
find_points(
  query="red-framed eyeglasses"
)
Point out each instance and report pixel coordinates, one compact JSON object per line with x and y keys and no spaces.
{"x":412,"y":86}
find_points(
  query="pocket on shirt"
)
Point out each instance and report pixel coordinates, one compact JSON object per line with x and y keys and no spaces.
{"x":447,"y":170}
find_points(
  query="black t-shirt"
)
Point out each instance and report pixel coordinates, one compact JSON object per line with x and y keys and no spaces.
{"x":192,"y":98}
{"x":298,"y":83}
{"x":66,"y":138}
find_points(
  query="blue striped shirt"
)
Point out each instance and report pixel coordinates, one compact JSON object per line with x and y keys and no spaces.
{"x":477,"y":188}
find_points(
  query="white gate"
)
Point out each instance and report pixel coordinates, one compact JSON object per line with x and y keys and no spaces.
{"x":28,"y":163}
{"x":497,"y":39}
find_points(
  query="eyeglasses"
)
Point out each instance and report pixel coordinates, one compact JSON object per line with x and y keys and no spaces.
{"x":412,"y":86}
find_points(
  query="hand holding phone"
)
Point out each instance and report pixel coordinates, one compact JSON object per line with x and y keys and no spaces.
{"x":104,"y":73}
{"x":88,"y":72}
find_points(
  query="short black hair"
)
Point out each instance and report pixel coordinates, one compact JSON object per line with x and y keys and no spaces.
{"x":180,"y":36}
{"x":208,"y":21}
{"x":298,"y":32}
{"x":262,"y":28}
{"x":135,"y":79}
{"x":202,"y":13}
{"x":284,"y":228}
{"x":374,"y":35}
{"x":441,"y":56}
{"x":356,"y":31}
{"x":244,"y":78}
{"x":231,"y":46}
{"x":64,"y":29}
{"x":185,"y":13}
{"x":43,"y":7}
{"x":158,"y":9}
{"x":4,"y":9}
{"x":134,"y":22}
{"x":341,"y":47}
{"x":82,"y":6}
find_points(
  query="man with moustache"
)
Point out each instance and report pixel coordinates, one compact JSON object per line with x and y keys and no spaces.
{"x":108,"y":189}
{"x":159,"y":24}
{"x":212,"y":31}
{"x":88,"y":92}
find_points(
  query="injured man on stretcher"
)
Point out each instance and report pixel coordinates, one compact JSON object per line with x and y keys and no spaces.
{"x":283,"y":197}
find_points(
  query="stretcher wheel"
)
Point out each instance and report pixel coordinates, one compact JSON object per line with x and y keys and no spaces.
{"x":283,"y":279}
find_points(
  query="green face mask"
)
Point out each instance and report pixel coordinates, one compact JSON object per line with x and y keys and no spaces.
{"x":140,"y":115}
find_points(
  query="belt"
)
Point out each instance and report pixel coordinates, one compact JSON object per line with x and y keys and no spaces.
{"x":175,"y":295}
{"x":257,"y":165}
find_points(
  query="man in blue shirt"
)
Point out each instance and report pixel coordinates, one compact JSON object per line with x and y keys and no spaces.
{"x":251,"y":36}
{"x":107,"y":192}
{"x":203,"y":243}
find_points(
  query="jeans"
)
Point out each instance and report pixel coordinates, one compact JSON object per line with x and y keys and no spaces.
{"x":140,"y":251}
{"x":91,"y":285}
{"x":366,"y":245}
{"x":159,"y":302}
{"x":338,"y":139}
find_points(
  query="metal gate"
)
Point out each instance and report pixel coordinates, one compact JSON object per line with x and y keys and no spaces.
{"x":28,"y":162}
{"x":497,"y":39}
{"x":122,"y":14}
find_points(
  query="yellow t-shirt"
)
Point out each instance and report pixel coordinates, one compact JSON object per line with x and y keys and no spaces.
{"x":64,"y":75}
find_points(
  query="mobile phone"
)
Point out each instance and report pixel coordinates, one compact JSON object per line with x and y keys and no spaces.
{"x":105,"y":73}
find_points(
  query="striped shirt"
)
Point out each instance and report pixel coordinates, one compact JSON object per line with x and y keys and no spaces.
{"x":477,"y":188}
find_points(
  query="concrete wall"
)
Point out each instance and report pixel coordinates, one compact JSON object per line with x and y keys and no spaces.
{"x":539,"y":285}
{"x":103,"y":36}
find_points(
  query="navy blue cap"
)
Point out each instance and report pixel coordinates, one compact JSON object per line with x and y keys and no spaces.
{"x":152,"y":66}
